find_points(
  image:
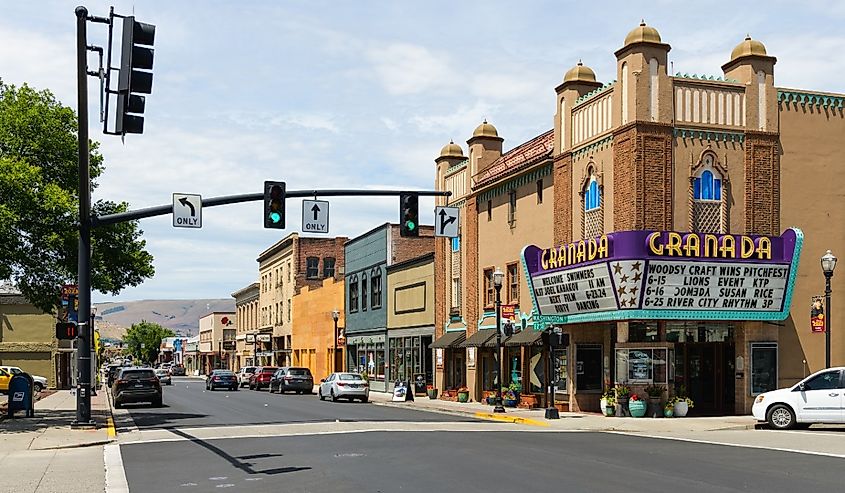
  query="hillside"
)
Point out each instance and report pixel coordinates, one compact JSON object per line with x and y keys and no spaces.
{"x":182,"y":316}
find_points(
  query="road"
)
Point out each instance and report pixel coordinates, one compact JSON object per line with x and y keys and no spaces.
{"x":207,"y":441}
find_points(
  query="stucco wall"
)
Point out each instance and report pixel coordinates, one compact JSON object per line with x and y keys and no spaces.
{"x":410,"y":300}
{"x":312,"y":338}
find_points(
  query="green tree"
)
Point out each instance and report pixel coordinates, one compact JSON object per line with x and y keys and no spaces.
{"x":39,"y":204}
{"x":144,"y":339}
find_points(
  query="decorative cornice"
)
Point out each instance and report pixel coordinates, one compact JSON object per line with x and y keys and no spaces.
{"x":805,"y":98}
{"x":461,"y":203}
{"x":456,"y":167}
{"x":594,"y":92}
{"x":679,"y":75}
{"x":602,"y":143}
{"x":516,"y":182}
{"x":715,"y":135}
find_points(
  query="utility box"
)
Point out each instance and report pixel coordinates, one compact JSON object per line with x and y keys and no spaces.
{"x":21,"y":395}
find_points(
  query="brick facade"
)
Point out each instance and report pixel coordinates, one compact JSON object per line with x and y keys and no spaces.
{"x":473,"y":274}
{"x":762,"y":183}
{"x":321,"y":248}
{"x":563,"y":198}
{"x":406,"y":248}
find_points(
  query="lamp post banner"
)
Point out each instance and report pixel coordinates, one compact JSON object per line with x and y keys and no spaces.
{"x":664,"y":275}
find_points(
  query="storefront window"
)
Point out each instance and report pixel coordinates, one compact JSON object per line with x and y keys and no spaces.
{"x":488,"y":370}
{"x":513,"y":370}
{"x":642,"y":365}
{"x":370,"y":359}
{"x":643,"y":332}
{"x":588,"y":367}
{"x":764,"y":367}
{"x":560,"y":376}
{"x":538,"y":368}
{"x":699,"y":332}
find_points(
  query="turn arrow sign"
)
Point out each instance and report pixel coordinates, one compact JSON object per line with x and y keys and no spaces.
{"x":186,"y":202}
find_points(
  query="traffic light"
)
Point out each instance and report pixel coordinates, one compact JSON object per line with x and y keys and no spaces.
{"x":409,"y":214}
{"x":67,"y":330}
{"x":136,"y":77}
{"x":274,"y":204}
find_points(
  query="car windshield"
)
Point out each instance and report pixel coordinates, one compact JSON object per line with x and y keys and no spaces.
{"x":161,"y":372}
{"x":299,"y":372}
{"x":15,"y":371}
{"x":137,"y":375}
{"x":268,"y":370}
{"x":249,"y":369}
{"x":350,"y":376}
{"x":225,"y":373}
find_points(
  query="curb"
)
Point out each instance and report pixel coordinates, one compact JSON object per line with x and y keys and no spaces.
{"x":511,"y":419}
{"x":80,"y":445}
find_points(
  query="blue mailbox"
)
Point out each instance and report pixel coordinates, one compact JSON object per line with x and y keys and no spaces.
{"x":20,"y":395}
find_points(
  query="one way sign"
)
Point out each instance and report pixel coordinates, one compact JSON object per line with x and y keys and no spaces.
{"x":446,"y":221}
{"x":315,"y":216}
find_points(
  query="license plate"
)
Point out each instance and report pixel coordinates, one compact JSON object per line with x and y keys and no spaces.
{"x":138,"y":385}
{"x":354,"y":386}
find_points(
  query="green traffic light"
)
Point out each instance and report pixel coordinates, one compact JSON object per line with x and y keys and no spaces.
{"x":275,"y":217}
{"x":410,"y":225}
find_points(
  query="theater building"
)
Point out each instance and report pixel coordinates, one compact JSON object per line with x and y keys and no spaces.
{"x":672,"y":225}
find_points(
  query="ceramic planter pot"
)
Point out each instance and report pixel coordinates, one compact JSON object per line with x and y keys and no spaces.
{"x":681,"y":409}
{"x":432,"y":393}
{"x":622,"y":407}
{"x":463,"y":396}
{"x":668,"y":413}
{"x":637,"y":408}
{"x":655,"y":409}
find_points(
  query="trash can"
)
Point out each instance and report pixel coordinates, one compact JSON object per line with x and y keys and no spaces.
{"x":21,"y":395}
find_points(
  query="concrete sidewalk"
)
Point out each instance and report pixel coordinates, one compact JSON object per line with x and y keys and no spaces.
{"x":46,"y":455}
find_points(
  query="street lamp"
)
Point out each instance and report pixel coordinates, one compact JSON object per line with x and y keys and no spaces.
{"x":828,"y":264}
{"x":335,"y":316}
{"x":497,"y":283}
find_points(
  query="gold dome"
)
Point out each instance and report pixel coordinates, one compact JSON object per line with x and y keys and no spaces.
{"x":451,"y":150}
{"x":485,"y":130}
{"x":642,"y":34}
{"x":748,"y":47}
{"x":580,"y":72}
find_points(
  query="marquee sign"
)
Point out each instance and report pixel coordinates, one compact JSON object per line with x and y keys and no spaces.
{"x":664,"y":275}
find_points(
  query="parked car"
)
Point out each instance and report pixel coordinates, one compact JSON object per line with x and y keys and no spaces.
{"x":163,"y":375}
{"x":819,"y":398}
{"x":296,"y":379}
{"x":7,"y":372}
{"x":225,"y":379}
{"x":344,"y":386}
{"x":178,"y":371}
{"x":136,"y":384}
{"x":244,"y":374}
{"x":112,"y":372}
{"x":261,"y":378}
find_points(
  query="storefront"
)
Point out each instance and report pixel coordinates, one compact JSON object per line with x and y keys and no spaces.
{"x":366,"y":355}
{"x":696,"y":313}
{"x":450,"y":360}
{"x":410,"y":356}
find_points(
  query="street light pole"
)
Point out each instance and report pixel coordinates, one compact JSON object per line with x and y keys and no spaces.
{"x":828,"y":265}
{"x":335,"y":316}
{"x":497,"y":283}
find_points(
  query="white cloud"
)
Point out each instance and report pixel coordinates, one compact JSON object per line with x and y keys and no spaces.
{"x":405,"y":68}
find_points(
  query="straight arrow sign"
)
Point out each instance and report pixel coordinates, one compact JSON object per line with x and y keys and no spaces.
{"x":315,"y":216}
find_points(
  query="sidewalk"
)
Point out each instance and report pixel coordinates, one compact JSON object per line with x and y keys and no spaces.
{"x":571,"y":421}
{"x":46,"y":455}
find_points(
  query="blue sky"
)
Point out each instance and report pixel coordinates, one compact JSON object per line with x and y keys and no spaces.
{"x":359,"y":95}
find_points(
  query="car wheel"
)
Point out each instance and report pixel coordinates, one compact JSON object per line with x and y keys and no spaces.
{"x":157,"y":403}
{"x":320,"y":394}
{"x":37,"y":387}
{"x":365,"y":399}
{"x":334,"y":397}
{"x":781,"y":417}
{"x":118,"y":404}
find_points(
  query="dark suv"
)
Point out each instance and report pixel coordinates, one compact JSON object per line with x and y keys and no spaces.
{"x":292,"y":378}
{"x":136,"y":385}
{"x":261,"y":378}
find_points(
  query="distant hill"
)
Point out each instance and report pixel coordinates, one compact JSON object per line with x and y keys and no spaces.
{"x":182,"y":316}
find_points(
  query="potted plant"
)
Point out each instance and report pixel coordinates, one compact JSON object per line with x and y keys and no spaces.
{"x":431,"y":391}
{"x":682,"y":403}
{"x":527,"y":401}
{"x":655,"y":392}
{"x":510,"y":395}
{"x":463,"y":394}
{"x":622,"y":392}
{"x":490,"y":397}
{"x":608,"y":401}
{"x":636,"y":406}
{"x":669,"y":408}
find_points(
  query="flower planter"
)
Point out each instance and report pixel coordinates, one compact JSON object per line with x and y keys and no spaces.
{"x":655,"y":410}
{"x":637,"y":408}
{"x":681,"y":409}
{"x":432,"y":393}
{"x":527,"y":401}
{"x":668,"y":413}
{"x":622,"y":407}
{"x":463,"y":396}
{"x":510,"y":402}
{"x":607,"y":409}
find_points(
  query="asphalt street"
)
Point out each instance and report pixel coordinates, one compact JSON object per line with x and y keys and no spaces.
{"x":188,"y":404}
{"x":470,"y":462}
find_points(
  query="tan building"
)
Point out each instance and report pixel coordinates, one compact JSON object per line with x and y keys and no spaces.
{"x":313,"y":336}
{"x":410,"y":321}
{"x":719,"y":157}
{"x":217,"y":332}
{"x":27,"y":339}
{"x":247,"y":308}
{"x":283,"y":269}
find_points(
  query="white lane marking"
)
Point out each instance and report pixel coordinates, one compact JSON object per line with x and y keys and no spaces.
{"x":808,"y":432}
{"x":188,"y":484}
{"x":225,"y":485}
{"x":729,"y":444}
{"x":218,"y":478}
{"x":253,"y":479}
{"x":115,"y":475}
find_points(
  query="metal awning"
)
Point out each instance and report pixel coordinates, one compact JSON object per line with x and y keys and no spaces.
{"x":480,"y":338}
{"x":450,"y":339}
{"x":526,"y":337}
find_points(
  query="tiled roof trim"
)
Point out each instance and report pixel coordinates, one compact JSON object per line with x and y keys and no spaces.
{"x":456,"y":167}
{"x":520,"y":157}
{"x":805,"y":98}
{"x":709,"y":135}
{"x":595,"y":92}
{"x":597,"y":145}
{"x":705,"y":77}
{"x":517,"y":182}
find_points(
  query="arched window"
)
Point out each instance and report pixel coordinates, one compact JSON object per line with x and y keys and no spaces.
{"x":707,"y":186}
{"x":708,"y":212}
{"x":593,"y":217}
{"x":592,"y":197}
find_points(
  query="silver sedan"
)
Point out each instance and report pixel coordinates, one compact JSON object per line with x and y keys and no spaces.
{"x":344,"y":386}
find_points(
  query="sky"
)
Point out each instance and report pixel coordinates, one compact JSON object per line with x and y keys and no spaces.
{"x":360,"y":94}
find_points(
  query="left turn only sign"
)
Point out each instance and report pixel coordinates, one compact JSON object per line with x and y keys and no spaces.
{"x":187,"y":210}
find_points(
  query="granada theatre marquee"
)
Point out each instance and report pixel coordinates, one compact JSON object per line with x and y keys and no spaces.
{"x":664,"y":275}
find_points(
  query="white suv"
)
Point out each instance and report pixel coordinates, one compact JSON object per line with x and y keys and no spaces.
{"x":244,"y":375}
{"x":819,"y":398}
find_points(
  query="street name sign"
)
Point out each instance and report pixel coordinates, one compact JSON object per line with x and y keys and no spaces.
{"x":315,"y":216}
{"x":187,"y":210}
{"x":446,"y":221}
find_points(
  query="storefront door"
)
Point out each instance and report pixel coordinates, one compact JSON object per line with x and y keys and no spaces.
{"x":708,"y":376}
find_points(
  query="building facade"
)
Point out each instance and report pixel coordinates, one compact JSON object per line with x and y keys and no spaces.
{"x":283,"y":269}
{"x":679,"y":159}
{"x":315,"y":344}
{"x":367,"y":258}
{"x":247,"y":308}
{"x":27,"y":340}
{"x":410,"y":321}
{"x":217,"y":332}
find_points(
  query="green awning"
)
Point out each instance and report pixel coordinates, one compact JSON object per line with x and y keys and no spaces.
{"x":450,"y":339}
